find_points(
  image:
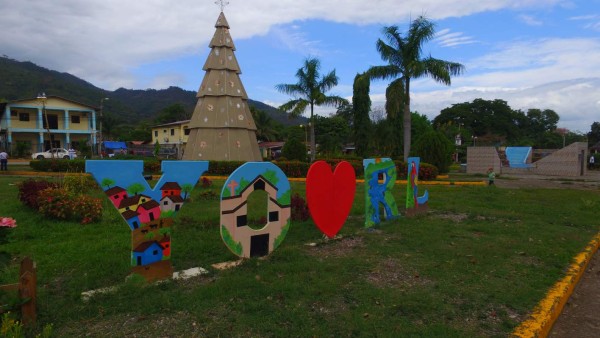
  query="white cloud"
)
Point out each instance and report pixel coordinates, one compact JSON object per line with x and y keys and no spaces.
{"x":575,"y":101}
{"x":295,"y":40}
{"x":530,"y":20}
{"x":446,"y":39}
{"x":592,"y":21}
{"x":103,"y":40}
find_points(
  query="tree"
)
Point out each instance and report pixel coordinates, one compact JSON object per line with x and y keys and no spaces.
{"x":594,"y":134}
{"x":186,"y":189}
{"x":110,"y":123}
{"x":173,"y":113}
{"x":266,"y":127}
{"x":405,"y":62}
{"x":135,"y":188}
{"x":332,"y":134}
{"x":394,"y":105}
{"x":293,"y":149}
{"x":435,"y":148}
{"x":107,"y":182}
{"x":310,"y":91}
{"x":361,"y":105}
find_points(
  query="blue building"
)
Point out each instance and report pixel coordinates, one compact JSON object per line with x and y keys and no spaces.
{"x":147,"y":253}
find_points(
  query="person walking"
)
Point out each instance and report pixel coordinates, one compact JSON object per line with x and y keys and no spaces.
{"x":3,"y":160}
{"x":491,"y":176}
{"x":591,"y":166}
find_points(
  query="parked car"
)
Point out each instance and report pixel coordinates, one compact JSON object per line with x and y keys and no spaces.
{"x":52,"y":153}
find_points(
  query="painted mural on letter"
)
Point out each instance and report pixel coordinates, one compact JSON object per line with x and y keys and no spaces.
{"x":415,"y":204}
{"x":238,"y":236}
{"x":148,"y":211}
{"x":379,"y":194}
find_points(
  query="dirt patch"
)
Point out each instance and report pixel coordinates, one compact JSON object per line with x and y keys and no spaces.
{"x":337,"y":247}
{"x":453,"y":217}
{"x":390,"y":273}
{"x":179,"y":324}
{"x":588,"y":182}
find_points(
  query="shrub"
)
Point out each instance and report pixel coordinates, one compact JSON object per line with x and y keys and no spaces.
{"x":299,"y":208}
{"x":293,"y":149}
{"x":293,"y":168}
{"x":55,"y":203}
{"x":29,"y":191}
{"x":78,"y":184}
{"x":60,"y":204}
{"x":58,"y":165}
{"x":435,"y":148}
{"x":87,"y":209}
{"x":209,"y":195}
{"x":206,"y":182}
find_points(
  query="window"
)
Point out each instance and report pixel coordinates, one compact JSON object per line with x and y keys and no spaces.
{"x":186,"y":132}
{"x":156,"y":133}
{"x":24,"y":117}
{"x":13,"y":113}
{"x":75,"y":119}
{"x":172,"y":132}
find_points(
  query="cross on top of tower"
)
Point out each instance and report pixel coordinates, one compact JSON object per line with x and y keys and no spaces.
{"x":222,"y":4}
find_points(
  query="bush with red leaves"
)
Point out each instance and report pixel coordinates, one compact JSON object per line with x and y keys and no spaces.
{"x":299,"y":208}
{"x":30,"y":189}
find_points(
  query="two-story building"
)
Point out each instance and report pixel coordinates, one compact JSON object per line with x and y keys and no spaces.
{"x":41,"y":124}
{"x":172,"y":136}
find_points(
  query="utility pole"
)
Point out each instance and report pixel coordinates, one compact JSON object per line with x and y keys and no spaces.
{"x":42,"y":97}
{"x":100,"y":125}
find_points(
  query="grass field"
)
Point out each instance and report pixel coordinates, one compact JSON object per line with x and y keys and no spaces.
{"x":475,"y":265}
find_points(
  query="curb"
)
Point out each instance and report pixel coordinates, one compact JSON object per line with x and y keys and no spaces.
{"x":548,"y":309}
{"x":223,"y":178}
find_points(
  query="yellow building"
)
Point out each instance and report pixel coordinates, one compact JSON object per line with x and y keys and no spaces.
{"x":41,"y":124}
{"x":171,"y":135}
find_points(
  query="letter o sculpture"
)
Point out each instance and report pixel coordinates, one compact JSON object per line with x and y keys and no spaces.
{"x":241,"y":239}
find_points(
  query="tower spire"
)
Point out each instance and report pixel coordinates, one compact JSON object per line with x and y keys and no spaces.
{"x":222,"y":4}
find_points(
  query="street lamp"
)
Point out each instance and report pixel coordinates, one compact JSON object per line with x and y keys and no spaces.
{"x":42,"y":97}
{"x":305,"y":134}
{"x":100,"y":124}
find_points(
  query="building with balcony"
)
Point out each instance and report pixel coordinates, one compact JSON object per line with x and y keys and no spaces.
{"x":40,"y":124}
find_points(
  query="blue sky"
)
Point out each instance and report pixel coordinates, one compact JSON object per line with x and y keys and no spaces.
{"x":531,"y":53}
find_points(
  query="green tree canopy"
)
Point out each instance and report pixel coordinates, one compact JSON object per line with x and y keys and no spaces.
{"x":173,"y":113}
{"x":406,"y":62}
{"x":309,"y":92}
{"x":361,"y":106}
{"x":435,"y":148}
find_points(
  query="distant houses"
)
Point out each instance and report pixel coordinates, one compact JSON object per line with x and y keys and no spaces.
{"x":143,"y":215}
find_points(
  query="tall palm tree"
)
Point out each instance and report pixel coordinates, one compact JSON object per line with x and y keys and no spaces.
{"x":405,"y":62}
{"x":310,"y":92}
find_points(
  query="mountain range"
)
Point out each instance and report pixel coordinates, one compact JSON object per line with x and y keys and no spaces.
{"x":24,"y":79}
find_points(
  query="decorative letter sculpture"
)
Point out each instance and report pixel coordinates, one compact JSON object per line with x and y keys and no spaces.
{"x":376,"y":193}
{"x":414,"y":204}
{"x":241,"y":239}
{"x":330,"y":195}
{"x":148,"y":212}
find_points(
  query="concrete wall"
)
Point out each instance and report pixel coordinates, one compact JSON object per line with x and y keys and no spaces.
{"x":480,"y":159}
{"x":568,"y":161}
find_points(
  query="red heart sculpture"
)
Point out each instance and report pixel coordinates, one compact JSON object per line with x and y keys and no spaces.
{"x":330,"y":195}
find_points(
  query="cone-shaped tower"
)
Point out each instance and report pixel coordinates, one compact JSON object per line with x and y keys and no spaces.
{"x":222,"y":127}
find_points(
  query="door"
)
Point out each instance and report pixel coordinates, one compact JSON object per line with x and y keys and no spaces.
{"x":259,"y":245}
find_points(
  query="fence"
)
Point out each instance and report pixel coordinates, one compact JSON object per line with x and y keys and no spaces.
{"x":26,"y":288}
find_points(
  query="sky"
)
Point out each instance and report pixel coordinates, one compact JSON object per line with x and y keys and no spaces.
{"x":541,"y":54}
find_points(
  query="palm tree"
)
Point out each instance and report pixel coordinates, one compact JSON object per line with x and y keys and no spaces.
{"x":266,"y":130}
{"x":405,"y":62}
{"x":310,"y":92}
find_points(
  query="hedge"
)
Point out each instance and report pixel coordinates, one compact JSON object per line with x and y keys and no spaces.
{"x":225,"y":168}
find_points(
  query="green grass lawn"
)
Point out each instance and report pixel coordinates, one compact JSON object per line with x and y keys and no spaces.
{"x":475,"y":265}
